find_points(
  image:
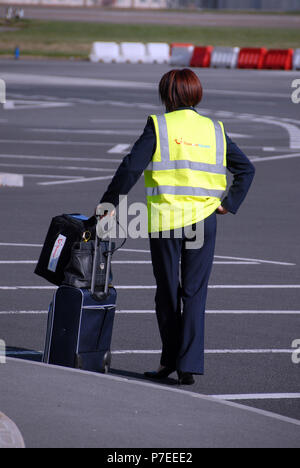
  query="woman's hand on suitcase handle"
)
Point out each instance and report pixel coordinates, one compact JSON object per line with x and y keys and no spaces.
{"x":102,"y":211}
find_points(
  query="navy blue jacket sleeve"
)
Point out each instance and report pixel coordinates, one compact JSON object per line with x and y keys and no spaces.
{"x":132,"y":167}
{"x":243,"y":170}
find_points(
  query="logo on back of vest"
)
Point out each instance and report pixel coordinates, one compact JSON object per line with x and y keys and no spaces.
{"x":182,"y":142}
{"x":56,"y":252}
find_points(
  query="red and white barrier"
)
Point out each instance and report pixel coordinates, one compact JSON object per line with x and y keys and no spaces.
{"x":181,"y":54}
{"x":189,"y":55}
{"x":225,"y":57}
{"x":279,"y":59}
{"x":251,"y":57}
{"x":201,"y":57}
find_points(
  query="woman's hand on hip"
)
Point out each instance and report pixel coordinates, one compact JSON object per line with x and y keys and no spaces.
{"x":222,"y":211}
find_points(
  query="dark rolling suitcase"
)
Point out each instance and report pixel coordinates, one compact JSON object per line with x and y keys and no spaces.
{"x":80,"y":323}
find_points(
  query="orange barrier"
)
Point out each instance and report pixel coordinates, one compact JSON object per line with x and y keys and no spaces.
{"x":202,"y":56}
{"x":251,"y":57}
{"x":279,"y":59}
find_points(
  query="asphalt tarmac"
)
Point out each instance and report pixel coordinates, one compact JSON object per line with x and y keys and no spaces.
{"x":66,"y":127}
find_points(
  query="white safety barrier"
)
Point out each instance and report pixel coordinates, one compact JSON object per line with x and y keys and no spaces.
{"x":132,"y":52}
{"x":225,"y":57}
{"x":296,"y":63}
{"x":157,"y":52}
{"x":182,"y":55}
{"x":11,"y":180}
{"x":106,"y":52}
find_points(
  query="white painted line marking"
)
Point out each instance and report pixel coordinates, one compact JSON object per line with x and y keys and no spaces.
{"x":143,"y":287}
{"x":23,"y":312}
{"x":6,"y":244}
{"x":253,"y":312}
{"x":32,"y":288}
{"x":123,"y":121}
{"x":269,"y":148}
{"x":51,"y":176}
{"x":18,"y":262}
{"x":59,"y":158}
{"x":255,"y":286}
{"x":86,"y":131}
{"x":210,"y":351}
{"x":16,"y":78}
{"x":75,"y":181}
{"x":152,"y":312}
{"x":119,"y":149}
{"x":246,"y":93}
{"x":238,"y":135}
{"x":293,"y":131}
{"x":149,"y":262}
{"x":54,"y":142}
{"x":135,"y":250}
{"x":275,"y":158}
{"x":67,"y":168}
{"x":124,"y":262}
{"x":249,"y":351}
{"x":22,"y":104}
{"x":258,"y":396}
{"x":224,"y":312}
{"x":236,"y":263}
{"x":255,"y":260}
{"x":147,"y":251}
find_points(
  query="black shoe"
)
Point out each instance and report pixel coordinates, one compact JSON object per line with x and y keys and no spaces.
{"x":160,"y":375}
{"x":185,"y":378}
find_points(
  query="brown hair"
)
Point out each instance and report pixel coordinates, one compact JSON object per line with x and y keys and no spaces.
{"x":180,"y":88}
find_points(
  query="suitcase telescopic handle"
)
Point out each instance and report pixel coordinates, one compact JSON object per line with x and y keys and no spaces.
{"x":95,"y":263}
{"x":108,"y":267}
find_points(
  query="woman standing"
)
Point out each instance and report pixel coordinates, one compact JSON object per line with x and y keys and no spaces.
{"x":185,"y":157}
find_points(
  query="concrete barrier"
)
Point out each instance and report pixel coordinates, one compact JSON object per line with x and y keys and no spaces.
{"x":132,"y":52}
{"x":157,"y":52}
{"x":106,"y":52}
{"x":225,"y":57}
{"x":296,"y":61}
{"x":11,"y":180}
{"x":181,"y":54}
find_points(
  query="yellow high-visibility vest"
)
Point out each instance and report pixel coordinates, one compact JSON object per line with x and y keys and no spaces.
{"x":187,"y":176}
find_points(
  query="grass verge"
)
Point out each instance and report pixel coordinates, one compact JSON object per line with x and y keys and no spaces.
{"x":74,"y":39}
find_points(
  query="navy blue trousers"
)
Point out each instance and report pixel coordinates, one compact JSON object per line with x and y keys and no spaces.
{"x":181,"y":302}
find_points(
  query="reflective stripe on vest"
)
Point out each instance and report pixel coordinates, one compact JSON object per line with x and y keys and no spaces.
{"x":166,"y":163}
{"x":184,"y":168}
{"x":189,"y":191}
